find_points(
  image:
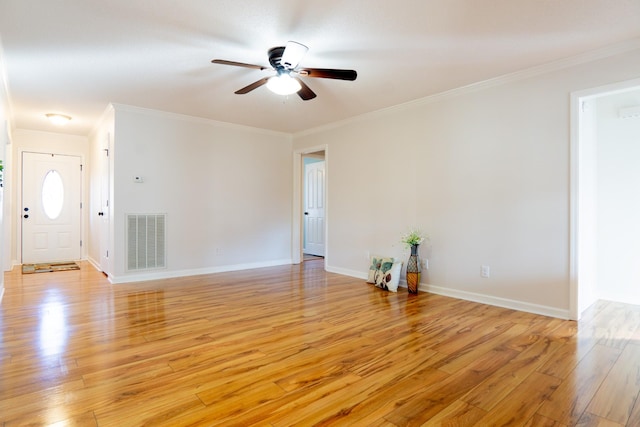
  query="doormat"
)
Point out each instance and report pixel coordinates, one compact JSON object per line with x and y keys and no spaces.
{"x":47,"y":267}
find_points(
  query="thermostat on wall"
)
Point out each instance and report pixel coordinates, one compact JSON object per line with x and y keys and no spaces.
{"x":138,"y":179}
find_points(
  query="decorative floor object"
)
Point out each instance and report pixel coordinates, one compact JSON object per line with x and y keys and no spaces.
{"x":47,"y":267}
{"x":413,"y":271}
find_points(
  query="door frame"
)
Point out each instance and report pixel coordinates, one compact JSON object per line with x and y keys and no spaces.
{"x":104,"y":226}
{"x":298,"y":199}
{"x":577,"y":292}
{"x":17,"y":210}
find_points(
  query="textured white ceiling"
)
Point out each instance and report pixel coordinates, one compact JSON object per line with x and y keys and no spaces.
{"x":76,"y":56}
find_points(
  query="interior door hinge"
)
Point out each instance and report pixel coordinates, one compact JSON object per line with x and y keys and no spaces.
{"x":80,"y":243}
{"x":80,"y":205}
{"x":80,"y":168}
{"x":584,"y":106}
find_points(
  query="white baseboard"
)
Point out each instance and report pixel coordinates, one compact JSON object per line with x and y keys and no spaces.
{"x":164,"y":274}
{"x":94,"y":263}
{"x":471,"y":296}
{"x":497,"y":301}
{"x":438,"y":290}
{"x":346,"y":272}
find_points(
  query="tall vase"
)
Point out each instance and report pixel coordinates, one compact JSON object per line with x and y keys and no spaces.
{"x":413,"y":270}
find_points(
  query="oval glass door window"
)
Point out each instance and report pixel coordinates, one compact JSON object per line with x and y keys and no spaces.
{"x":52,"y":194}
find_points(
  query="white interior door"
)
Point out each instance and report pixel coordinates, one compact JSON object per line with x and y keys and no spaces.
{"x":51,"y":209}
{"x":104,"y":210}
{"x":314,"y":208}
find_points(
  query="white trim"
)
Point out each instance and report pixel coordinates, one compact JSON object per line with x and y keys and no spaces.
{"x":527,"y":73}
{"x":93,"y":133}
{"x":195,"y":272}
{"x":573,"y":207}
{"x":296,"y":210}
{"x":296,"y":223}
{"x":470,"y":296}
{"x":192,"y":119}
{"x":96,"y":265}
{"x":1,"y":294}
{"x":93,"y":262}
{"x":609,"y":89}
{"x":496,"y":301}
{"x":347,"y":272}
{"x":577,"y":98}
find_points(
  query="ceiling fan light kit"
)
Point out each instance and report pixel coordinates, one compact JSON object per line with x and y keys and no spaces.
{"x":283,"y":84}
{"x":284,"y":61}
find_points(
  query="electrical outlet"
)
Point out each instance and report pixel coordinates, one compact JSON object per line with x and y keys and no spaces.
{"x":485,"y":271}
{"x":425,"y":263}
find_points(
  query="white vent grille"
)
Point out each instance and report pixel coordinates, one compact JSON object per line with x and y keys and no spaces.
{"x":146,"y":241}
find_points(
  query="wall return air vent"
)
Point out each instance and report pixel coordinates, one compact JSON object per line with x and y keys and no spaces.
{"x":146,"y":241}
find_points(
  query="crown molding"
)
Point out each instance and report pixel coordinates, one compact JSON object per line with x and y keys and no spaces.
{"x":199,"y":120}
{"x":561,"y":64}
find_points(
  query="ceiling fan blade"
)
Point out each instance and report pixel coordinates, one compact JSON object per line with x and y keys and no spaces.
{"x":328,"y":73}
{"x":293,"y":54}
{"x":237,"y":64}
{"x":252,"y":86}
{"x":305,"y":92}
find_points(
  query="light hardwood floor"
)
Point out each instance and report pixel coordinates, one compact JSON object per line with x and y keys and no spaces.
{"x":294,"y":345}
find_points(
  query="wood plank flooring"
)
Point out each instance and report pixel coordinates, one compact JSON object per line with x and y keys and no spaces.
{"x":294,"y":345}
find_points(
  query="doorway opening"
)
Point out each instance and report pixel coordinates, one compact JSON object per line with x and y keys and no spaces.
{"x":313,"y":220}
{"x":605,"y":126}
{"x":310,"y":223}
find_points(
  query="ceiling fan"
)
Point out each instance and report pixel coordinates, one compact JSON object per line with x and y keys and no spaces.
{"x":284,"y":61}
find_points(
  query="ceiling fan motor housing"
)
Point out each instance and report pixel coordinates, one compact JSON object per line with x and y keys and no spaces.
{"x":275,"y":56}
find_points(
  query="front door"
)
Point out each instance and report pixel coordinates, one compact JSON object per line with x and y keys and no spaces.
{"x":314,"y":209}
{"x":51,"y":207}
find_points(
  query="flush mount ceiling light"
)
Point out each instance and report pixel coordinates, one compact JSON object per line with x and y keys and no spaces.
{"x":58,"y":119}
{"x":283,"y":84}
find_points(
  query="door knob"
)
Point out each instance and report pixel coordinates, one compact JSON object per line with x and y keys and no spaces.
{"x":26,"y":216}
{"x":100,"y":213}
{"x":306,"y":213}
{"x":26,"y":209}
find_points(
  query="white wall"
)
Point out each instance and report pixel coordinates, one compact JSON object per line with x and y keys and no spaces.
{"x":485,"y":170}
{"x":4,"y":144}
{"x":226,"y":191}
{"x":618,"y":188}
{"x":45,"y":142}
